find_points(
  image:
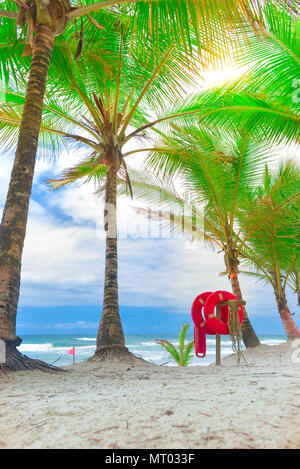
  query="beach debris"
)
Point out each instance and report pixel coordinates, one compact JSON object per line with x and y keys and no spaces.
{"x":56,"y":360}
{"x":143,"y":377}
{"x":204,"y":413}
{"x":158,"y":437}
{"x":106,"y":429}
{"x":168,"y":412}
{"x":199,"y":400}
{"x":38,"y":425}
{"x":271,"y":424}
{"x":214,"y":437}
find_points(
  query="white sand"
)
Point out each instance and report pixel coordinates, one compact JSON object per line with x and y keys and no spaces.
{"x":140,"y":405}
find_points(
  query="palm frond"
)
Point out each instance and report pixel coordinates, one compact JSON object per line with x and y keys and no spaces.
{"x":188,"y":353}
{"x":170,"y":348}
{"x":88,"y":170}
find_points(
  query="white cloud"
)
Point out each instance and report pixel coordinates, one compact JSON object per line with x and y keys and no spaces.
{"x":79,"y":325}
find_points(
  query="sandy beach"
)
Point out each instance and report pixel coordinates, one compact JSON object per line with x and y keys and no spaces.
{"x":135,"y":404}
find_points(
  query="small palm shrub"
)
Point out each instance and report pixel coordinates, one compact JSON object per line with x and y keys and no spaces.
{"x":184,"y":353}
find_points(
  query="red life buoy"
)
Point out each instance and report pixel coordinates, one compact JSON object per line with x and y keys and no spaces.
{"x":216,"y":325}
{"x":200,"y":328}
{"x":197,"y":316}
{"x":199,"y":342}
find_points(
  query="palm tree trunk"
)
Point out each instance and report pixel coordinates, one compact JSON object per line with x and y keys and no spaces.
{"x":110,"y":336}
{"x":297,"y":282}
{"x":250,"y":338}
{"x":14,"y":220}
{"x":288,"y":322}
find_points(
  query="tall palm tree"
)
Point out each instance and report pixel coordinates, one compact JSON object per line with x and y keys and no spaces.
{"x":14,"y":220}
{"x":216,"y":176}
{"x":38,"y":23}
{"x":273,"y":249}
{"x":103,"y":115}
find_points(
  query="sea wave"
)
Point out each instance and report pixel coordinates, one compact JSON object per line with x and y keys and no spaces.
{"x":48,"y":347}
{"x":54,"y":348}
{"x":146,"y":355}
{"x":87,"y":339}
{"x":149,"y":344}
{"x":272,"y":341}
{"x":152,"y":344}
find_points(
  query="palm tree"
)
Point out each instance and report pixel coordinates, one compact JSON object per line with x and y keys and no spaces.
{"x":273,"y":248}
{"x":44,"y":21}
{"x":38,"y":23}
{"x":103,"y":115}
{"x":216,"y":176}
{"x":14,"y":220}
{"x":184,"y":353}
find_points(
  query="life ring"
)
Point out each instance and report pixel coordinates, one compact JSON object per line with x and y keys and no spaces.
{"x":200,"y":327}
{"x":196,"y":311}
{"x":216,"y":325}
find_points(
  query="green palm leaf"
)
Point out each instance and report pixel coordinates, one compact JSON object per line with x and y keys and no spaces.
{"x":183,"y":354}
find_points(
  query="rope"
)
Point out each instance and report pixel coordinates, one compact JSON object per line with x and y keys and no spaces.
{"x":235,"y":331}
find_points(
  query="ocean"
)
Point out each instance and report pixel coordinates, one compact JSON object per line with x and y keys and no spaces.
{"x":54,"y":348}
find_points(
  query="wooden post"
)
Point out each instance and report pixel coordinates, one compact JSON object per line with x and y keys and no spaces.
{"x":218,"y":339}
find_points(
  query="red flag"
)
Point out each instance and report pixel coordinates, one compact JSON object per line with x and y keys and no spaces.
{"x":71,"y":351}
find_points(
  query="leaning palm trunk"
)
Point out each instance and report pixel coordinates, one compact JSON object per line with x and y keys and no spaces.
{"x":250,"y":338}
{"x":297,"y":286}
{"x":13,"y":225}
{"x":110,"y":336}
{"x":288,"y":322}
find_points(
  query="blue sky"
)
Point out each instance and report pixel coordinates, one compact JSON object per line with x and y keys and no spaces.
{"x":63,"y":267}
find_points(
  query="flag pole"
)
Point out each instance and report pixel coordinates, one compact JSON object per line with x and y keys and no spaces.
{"x":74,"y":355}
